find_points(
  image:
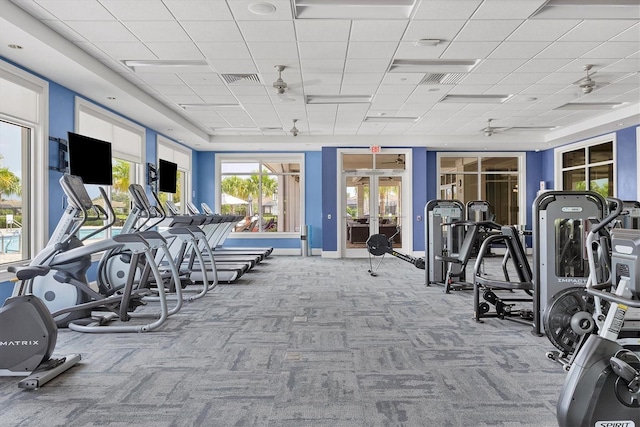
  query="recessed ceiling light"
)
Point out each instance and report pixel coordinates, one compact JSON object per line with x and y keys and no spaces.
{"x":338,"y":99}
{"x":433,"y":65}
{"x":483,"y":99}
{"x":15,"y":46}
{"x":590,"y":106}
{"x":209,"y":106}
{"x":354,"y":9}
{"x":262,"y":8}
{"x":384,"y":119}
{"x":428,"y":42}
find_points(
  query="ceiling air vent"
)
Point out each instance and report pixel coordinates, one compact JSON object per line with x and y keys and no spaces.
{"x":241,"y":78}
{"x":442,"y":78}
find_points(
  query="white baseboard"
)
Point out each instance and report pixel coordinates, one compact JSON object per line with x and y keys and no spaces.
{"x":330,"y":254}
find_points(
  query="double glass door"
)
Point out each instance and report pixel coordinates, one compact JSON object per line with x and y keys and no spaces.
{"x":373,"y":205}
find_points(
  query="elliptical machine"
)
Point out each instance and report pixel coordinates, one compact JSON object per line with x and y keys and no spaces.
{"x":28,"y":336}
{"x":602,"y":387}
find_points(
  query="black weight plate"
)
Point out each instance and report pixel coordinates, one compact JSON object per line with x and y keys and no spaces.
{"x":378,"y":244}
{"x":557,"y":317}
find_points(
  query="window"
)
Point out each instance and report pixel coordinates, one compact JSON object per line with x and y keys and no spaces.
{"x":24,"y":168}
{"x":127,"y":150}
{"x":266,"y":191}
{"x":175,"y":153}
{"x":497,"y":179}
{"x":588,"y":166}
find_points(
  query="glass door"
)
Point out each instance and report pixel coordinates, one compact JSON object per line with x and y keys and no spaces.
{"x":373,"y":205}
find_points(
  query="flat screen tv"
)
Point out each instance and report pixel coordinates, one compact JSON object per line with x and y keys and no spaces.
{"x":167,"y":176}
{"x":90,"y":159}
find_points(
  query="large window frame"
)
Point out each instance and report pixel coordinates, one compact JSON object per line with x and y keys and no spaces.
{"x":115,"y":129}
{"x":520,"y":187}
{"x":182,"y":156}
{"x":33,"y":117}
{"x":585,"y":145}
{"x":262,"y":158}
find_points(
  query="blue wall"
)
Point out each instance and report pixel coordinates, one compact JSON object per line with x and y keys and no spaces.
{"x":421,"y":185}
{"x":313,"y":189}
{"x":627,"y":147}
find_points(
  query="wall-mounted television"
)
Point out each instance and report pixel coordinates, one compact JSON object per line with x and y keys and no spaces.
{"x":90,"y":159}
{"x":167,"y":176}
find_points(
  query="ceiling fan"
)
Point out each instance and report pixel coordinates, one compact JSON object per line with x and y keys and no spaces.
{"x":490,"y":130}
{"x":280,"y":85}
{"x":398,"y":161}
{"x":586,"y":84}
{"x":294,"y":130}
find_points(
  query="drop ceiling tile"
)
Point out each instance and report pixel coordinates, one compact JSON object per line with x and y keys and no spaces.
{"x":320,"y":50}
{"x":377,"y":30}
{"x":175,"y":50}
{"x":73,"y":10}
{"x":523,"y":78}
{"x":567,"y":49}
{"x":598,"y":30}
{"x":371,"y":50}
{"x":362,"y":78}
{"x":322,"y":78}
{"x":241,"y":12}
{"x":158,"y":31}
{"x":613,"y":50}
{"x":273,"y":50}
{"x":542,"y":29}
{"x":160,"y":79}
{"x":499,"y":65}
{"x":184,"y":99}
{"x":543,"y":65}
{"x":487,"y":30}
{"x":210,"y":90}
{"x":227,"y":50}
{"x":506,"y":89}
{"x":103,"y":31}
{"x":422,"y":29}
{"x":623,"y":65}
{"x":409,"y":50}
{"x":199,"y":10}
{"x":470,"y":50}
{"x":402,"y":78}
{"x":220,"y":99}
{"x":366,"y":65}
{"x":201,"y":79}
{"x":632,"y":34}
{"x":513,"y":50}
{"x":267,"y":31}
{"x":358,"y":89}
{"x":383,"y":102}
{"x":543,"y":89}
{"x":174,"y":90}
{"x":446,"y":9}
{"x":507,"y":9}
{"x":395,"y":89}
{"x":266,"y":67}
{"x":318,"y":30}
{"x":464,"y":89}
{"x":322,"y":65}
{"x":475,"y":78}
{"x":250,"y":101}
{"x":254,"y":90}
{"x":233,"y":66}
{"x":207,"y":31}
{"x":131,"y":10}
{"x":121,"y":51}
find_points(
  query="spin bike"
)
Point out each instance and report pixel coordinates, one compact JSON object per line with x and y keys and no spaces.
{"x":380,"y":245}
{"x":602,"y":387}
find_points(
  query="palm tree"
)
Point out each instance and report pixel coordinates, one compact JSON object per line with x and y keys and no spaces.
{"x":121,"y":176}
{"x":9,"y":183}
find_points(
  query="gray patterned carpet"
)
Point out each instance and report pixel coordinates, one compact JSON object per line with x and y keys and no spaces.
{"x":305,"y":342}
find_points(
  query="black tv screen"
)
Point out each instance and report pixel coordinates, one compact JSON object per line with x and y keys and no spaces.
{"x":90,"y":159}
{"x":167,"y":176}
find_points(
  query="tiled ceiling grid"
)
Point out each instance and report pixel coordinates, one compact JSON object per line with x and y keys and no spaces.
{"x":539,"y":61}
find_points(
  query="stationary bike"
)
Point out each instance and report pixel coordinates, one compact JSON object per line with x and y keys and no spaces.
{"x":602,"y":387}
{"x":28,"y":336}
{"x":380,"y":244}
